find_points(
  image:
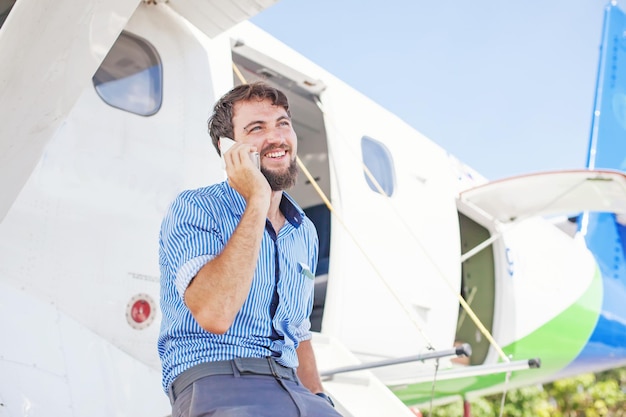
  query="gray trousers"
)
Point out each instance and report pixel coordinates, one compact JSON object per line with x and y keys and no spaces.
{"x":249,"y":396}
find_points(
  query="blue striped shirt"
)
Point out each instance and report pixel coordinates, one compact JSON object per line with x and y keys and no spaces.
{"x":194,"y":231}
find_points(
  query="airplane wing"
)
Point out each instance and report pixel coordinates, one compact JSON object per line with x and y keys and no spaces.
{"x":549,"y":193}
{"x":215,"y":16}
{"x":50,"y":51}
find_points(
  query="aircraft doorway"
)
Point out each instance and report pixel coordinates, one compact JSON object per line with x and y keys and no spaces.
{"x":477,"y":288}
{"x":308,"y":122}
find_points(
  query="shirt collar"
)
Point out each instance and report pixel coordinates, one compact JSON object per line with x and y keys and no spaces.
{"x":290,"y":209}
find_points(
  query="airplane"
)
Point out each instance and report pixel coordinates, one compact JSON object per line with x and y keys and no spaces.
{"x":422,"y":260}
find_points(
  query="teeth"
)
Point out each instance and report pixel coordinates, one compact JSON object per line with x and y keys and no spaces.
{"x":277,"y":154}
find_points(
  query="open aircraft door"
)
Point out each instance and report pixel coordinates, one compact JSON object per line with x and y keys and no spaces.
{"x":395,"y":215}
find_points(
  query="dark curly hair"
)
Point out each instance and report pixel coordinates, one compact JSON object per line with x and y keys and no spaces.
{"x":221,"y":121}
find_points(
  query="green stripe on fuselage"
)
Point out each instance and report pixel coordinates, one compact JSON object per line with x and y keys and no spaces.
{"x":556,"y":344}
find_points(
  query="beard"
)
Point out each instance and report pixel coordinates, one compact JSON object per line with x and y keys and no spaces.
{"x":282,"y":180}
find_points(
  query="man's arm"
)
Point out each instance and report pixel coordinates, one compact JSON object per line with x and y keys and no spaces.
{"x":217,"y":292}
{"x":307,"y":368}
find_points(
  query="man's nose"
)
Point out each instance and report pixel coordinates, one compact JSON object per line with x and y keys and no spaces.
{"x":275,"y":136}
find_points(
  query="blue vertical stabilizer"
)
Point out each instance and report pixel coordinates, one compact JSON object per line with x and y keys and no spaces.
{"x":604,"y":235}
{"x":607,"y":145}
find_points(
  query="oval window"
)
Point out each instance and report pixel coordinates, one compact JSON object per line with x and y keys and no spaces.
{"x":131,"y":76}
{"x":379,"y":162}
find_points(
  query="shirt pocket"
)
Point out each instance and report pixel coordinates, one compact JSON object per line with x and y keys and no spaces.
{"x":305,"y":271}
{"x":304,"y":284}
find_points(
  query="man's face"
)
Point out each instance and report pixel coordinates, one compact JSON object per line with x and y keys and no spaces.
{"x":268,"y":127}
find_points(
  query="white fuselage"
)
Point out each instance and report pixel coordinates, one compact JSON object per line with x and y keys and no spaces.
{"x":79,"y":245}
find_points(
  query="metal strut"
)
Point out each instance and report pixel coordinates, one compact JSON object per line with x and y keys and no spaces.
{"x":462,"y":350}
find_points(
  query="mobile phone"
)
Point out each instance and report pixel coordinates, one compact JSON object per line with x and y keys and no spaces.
{"x":227,"y":143}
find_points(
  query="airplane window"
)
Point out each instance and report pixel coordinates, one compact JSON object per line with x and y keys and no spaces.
{"x":378,"y":161}
{"x":131,"y":76}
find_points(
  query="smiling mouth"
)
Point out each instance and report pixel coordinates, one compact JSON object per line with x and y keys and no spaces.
{"x":279,"y":153}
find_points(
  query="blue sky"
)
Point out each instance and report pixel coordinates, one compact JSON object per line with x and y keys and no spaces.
{"x":506,"y":86}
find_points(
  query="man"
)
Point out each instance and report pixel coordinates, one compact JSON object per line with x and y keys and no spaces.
{"x":237,"y":265}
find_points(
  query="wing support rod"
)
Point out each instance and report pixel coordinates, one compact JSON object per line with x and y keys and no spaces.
{"x":497,"y":235}
{"x":480,"y":246}
{"x":496,"y":368}
{"x":463,"y":350}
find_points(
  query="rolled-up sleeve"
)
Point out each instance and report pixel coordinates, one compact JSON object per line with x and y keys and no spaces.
{"x":190,"y":238}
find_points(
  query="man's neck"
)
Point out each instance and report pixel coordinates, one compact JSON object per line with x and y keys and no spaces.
{"x":275,"y":216}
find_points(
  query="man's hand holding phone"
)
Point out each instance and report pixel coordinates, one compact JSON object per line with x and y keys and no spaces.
{"x":240,"y":160}
{"x":227,"y":143}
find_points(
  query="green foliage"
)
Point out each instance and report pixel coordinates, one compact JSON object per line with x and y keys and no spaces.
{"x":586,"y":395}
